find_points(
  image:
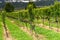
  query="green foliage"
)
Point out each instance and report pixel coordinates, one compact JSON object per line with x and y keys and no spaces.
{"x":31,"y":7}
{"x":9,"y":7}
{"x":31,"y":4}
{"x":51,"y":11}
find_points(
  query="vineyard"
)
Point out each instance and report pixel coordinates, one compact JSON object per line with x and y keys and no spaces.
{"x":31,"y":23}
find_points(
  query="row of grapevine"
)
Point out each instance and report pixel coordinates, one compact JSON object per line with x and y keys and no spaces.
{"x":36,"y":13}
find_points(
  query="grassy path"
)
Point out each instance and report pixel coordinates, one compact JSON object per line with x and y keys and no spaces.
{"x":1,"y":30}
{"x":16,"y":32}
{"x":50,"y":35}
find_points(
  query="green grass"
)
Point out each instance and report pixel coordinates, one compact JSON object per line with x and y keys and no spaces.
{"x":50,"y":35}
{"x":1,"y":30}
{"x":16,"y":32}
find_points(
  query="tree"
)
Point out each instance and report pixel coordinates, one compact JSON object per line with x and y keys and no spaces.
{"x":32,"y":4}
{"x":9,"y":7}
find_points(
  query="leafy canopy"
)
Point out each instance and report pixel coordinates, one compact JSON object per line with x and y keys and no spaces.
{"x":9,"y":7}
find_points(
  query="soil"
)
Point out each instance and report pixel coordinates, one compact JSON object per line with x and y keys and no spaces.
{"x":47,"y":27}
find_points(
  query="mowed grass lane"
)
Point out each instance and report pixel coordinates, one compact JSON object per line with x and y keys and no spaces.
{"x":50,"y":35}
{"x":16,"y":32}
{"x":1,"y":32}
{"x":1,"y":29}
